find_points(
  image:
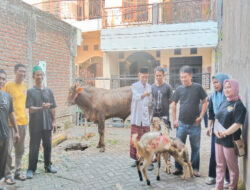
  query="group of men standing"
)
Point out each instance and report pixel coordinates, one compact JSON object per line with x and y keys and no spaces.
{"x":39,"y":100}
{"x":158,"y":97}
{"x":15,"y":97}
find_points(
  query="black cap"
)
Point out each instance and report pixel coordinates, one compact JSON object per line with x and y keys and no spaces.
{"x":144,"y":70}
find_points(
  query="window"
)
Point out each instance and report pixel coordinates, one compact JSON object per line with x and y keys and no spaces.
{"x":158,"y":53}
{"x":135,"y":10}
{"x":96,"y":47}
{"x":94,"y":9}
{"x":80,"y":10}
{"x":193,"y":50}
{"x":85,"y":48}
{"x":177,"y":51}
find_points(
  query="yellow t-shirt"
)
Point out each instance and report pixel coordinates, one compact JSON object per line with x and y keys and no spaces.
{"x":18,"y":93}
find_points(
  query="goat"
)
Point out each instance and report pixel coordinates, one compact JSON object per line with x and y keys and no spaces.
{"x":160,"y":144}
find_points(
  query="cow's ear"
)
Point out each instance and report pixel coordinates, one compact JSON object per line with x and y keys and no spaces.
{"x":79,"y":90}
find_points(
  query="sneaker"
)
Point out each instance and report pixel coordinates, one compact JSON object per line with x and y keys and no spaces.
{"x":226,"y":184}
{"x":50,"y":169}
{"x":29,"y":174}
{"x":210,"y":181}
{"x":150,"y":167}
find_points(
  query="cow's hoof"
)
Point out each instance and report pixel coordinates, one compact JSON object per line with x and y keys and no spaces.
{"x":158,"y":178}
{"x":102,"y":149}
{"x":148,"y":182}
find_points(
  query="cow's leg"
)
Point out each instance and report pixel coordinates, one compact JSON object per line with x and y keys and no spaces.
{"x":101,"y":128}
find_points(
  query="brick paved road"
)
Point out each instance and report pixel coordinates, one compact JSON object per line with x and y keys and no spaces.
{"x":90,"y":169}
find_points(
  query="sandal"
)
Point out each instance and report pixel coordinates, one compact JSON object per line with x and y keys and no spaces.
{"x":177,"y":172}
{"x":20,"y":177}
{"x":197,"y":174}
{"x":9,"y":181}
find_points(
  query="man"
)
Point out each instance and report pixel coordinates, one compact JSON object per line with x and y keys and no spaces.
{"x":41,"y":104}
{"x":140,"y":106}
{"x":6,"y":111}
{"x":161,"y":94}
{"x":189,"y":94}
{"x":17,"y":90}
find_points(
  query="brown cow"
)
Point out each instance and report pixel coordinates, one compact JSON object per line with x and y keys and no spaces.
{"x":99,"y":104}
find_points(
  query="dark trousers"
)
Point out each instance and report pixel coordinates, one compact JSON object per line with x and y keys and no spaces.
{"x":4,"y":143}
{"x":212,"y":162}
{"x":35,"y":140}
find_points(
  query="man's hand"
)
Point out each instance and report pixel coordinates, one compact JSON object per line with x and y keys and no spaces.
{"x":198,"y":121}
{"x":176,"y":124}
{"x":147,"y":93}
{"x":46,"y":105}
{"x":16,"y":137}
{"x":54,"y":126}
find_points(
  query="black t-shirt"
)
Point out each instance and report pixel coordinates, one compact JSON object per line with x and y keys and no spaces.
{"x":228,"y":114}
{"x":189,"y":97}
{"x":40,"y":120}
{"x":161,"y":96}
{"x":6,"y":108}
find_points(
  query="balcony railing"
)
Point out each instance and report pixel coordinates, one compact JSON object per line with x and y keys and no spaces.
{"x":125,"y":16}
{"x":186,"y":11}
{"x":73,"y":9}
{"x":175,"y":11}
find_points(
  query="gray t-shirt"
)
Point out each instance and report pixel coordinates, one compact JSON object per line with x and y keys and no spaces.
{"x":6,"y":108}
{"x":161,"y":96}
{"x":189,"y":102}
{"x":41,"y":120}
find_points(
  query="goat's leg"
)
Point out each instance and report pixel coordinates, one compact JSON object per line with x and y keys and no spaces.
{"x":101,"y":128}
{"x":180,"y":160}
{"x":138,"y":166}
{"x":166,"y":156}
{"x":158,"y":156}
{"x":148,"y":160}
{"x":184,"y":166}
{"x":191,"y":171}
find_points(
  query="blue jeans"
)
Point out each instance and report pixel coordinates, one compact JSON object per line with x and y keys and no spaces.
{"x":194,"y":133}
